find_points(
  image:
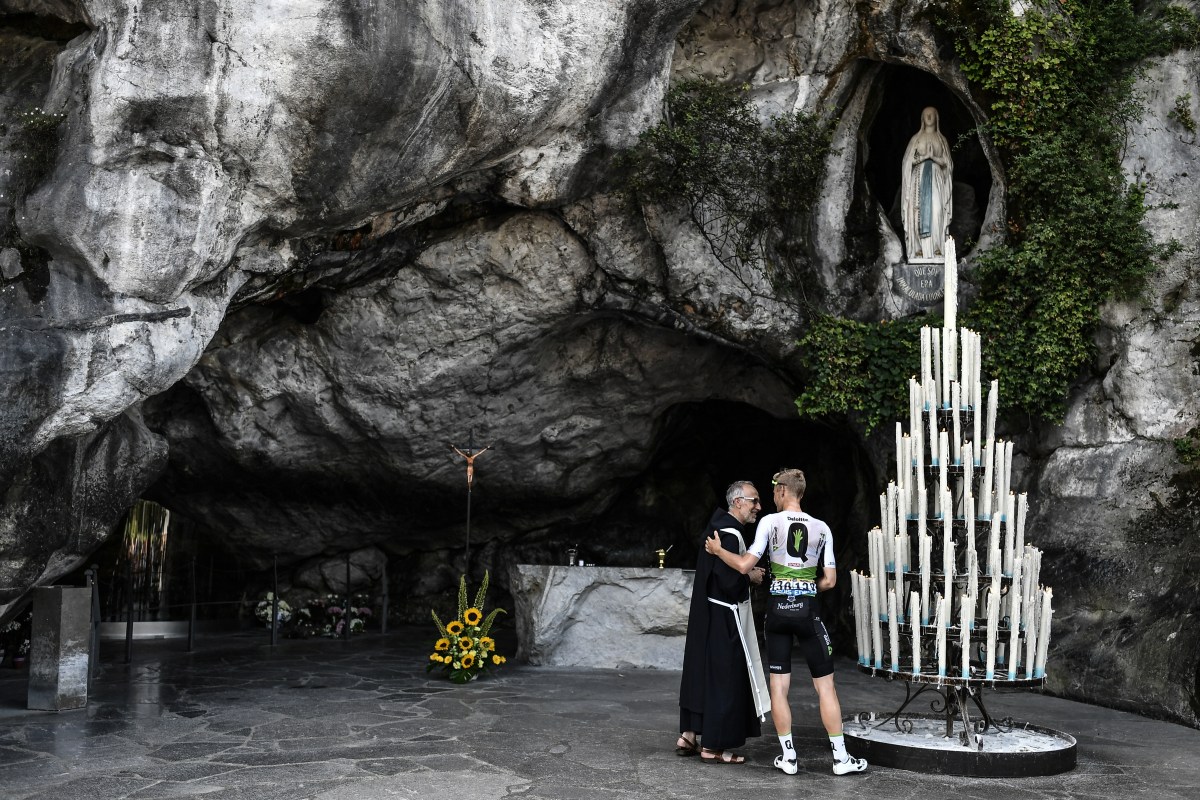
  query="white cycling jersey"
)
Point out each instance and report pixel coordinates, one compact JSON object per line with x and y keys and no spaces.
{"x":796,"y":541}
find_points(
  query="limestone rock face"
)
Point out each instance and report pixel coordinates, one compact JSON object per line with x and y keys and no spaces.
{"x":277,"y":258}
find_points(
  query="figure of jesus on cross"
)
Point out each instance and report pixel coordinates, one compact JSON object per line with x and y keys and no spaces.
{"x":470,"y":454}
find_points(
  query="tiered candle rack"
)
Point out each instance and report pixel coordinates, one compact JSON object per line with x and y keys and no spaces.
{"x":952,"y":602}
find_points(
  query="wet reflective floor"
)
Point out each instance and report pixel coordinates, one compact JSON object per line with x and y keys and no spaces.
{"x":363,"y":720}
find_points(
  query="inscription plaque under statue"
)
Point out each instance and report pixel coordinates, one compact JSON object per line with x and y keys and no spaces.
{"x":59,"y":648}
{"x":921,"y":282}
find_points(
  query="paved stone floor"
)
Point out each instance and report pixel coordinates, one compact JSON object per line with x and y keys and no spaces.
{"x":363,"y":720}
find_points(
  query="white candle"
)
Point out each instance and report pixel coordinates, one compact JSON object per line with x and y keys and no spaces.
{"x":1044,"y":633}
{"x":926,"y":364}
{"x":948,"y":363}
{"x":976,"y":405}
{"x":944,"y":455}
{"x":1008,"y":458}
{"x":973,"y":580}
{"x":1001,"y":489}
{"x":947,"y":547}
{"x":898,"y":558}
{"x":956,"y":421}
{"x":1016,"y":591}
{"x":889,"y":510}
{"x":969,"y":518}
{"x":926,"y":557}
{"x":966,"y":614}
{"x":969,"y":468}
{"x":876,"y":632}
{"x":922,"y":503}
{"x":993,"y":616}
{"x":881,"y":548}
{"x":893,"y":631}
{"x":985,"y":492}
{"x":993,"y":540}
{"x":1022,"y":510}
{"x":1010,"y":535}
{"x":935,"y":336}
{"x":950,"y":291}
{"x":1014,"y":634}
{"x":995,"y":568}
{"x":916,"y":638}
{"x":977,"y":376}
{"x":940,"y":645}
{"x":859,"y":627}
{"x":993,"y":400}
{"x":933,"y":438}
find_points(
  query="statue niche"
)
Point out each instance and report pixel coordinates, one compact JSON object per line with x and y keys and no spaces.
{"x":926,"y":190}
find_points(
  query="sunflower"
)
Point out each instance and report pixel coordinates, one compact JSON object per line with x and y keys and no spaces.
{"x":472,"y":616}
{"x":442,"y":645}
{"x":487,"y":643}
{"x":434,"y":657}
{"x":454,"y":627}
{"x":466,"y":643}
{"x":468,"y":661}
{"x":496,"y":659}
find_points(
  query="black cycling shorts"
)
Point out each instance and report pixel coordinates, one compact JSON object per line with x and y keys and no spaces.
{"x":797,"y":617}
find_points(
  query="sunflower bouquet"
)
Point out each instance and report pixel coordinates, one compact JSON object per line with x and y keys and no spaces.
{"x":465,"y":649}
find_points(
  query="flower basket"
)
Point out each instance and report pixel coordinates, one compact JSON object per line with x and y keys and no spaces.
{"x":464,"y":649}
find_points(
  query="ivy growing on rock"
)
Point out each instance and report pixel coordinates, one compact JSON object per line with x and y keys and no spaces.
{"x":748,"y":187}
{"x":1059,"y":85}
{"x":861,"y":369}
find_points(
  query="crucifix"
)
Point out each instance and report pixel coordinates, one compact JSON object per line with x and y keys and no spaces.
{"x":470,"y":454}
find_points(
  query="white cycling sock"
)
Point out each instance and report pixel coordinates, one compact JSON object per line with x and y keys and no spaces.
{"x":838,"y":744}
{"x":785,"y":744}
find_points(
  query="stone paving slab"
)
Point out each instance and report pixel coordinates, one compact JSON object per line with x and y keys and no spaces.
{"x":332,"y":720}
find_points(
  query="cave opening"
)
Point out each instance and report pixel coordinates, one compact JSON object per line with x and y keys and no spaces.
{"x":702,"y":447}
{"x":898,"y":95}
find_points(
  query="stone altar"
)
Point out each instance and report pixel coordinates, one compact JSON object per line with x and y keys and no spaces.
{"x":615,"y":617}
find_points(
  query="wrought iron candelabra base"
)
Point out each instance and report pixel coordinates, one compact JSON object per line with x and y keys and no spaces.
{"x":955,"y":739}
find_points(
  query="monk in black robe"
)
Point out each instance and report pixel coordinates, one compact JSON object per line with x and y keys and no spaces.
{"x":715,"y":701}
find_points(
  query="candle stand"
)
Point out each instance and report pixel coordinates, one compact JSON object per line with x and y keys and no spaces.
{"x":952,"y":604}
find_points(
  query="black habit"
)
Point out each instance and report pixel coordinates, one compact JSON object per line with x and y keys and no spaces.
{"x":715,"y":697}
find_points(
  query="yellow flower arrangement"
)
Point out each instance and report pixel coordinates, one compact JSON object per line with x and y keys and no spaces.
{"x":464,"y":641}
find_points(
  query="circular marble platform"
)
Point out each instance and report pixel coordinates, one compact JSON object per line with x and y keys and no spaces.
{"x":920,"y":744}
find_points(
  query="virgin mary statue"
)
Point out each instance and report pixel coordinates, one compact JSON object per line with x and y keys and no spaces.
{"x":926,"y":190}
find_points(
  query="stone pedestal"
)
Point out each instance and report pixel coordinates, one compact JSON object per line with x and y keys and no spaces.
{"x":615,"y":617}
{"x":58,"y":651}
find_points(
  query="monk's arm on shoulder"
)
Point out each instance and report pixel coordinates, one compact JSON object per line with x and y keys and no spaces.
{"x":743,"y":563}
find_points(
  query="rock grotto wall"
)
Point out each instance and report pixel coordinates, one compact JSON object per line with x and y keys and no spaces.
{"x":286,"y":254}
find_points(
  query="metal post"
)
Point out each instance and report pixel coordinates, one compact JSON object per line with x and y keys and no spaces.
{"x":192,"y":616}
{"x":128,"y":613}
{"x":346,"y":607}
{"x":274,"y":597}
{"x":384,"y":619}
{"x":93,"y":580}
